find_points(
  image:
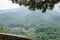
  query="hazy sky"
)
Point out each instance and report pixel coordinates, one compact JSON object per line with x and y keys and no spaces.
{"x":57,"y":7}
{"x":7,"y":4}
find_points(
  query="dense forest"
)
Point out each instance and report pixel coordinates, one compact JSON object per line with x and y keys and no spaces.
{"x":35,"y":26}
{"x":32,"y":24}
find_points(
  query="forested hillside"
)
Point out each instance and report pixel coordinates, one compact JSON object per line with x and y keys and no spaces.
{"x":39,"y":20}
{"x":33,"y":24}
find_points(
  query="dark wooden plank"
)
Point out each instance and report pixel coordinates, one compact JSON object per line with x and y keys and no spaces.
{"x":12,"y":37}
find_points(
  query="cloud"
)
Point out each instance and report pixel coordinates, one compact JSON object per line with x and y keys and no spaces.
{"x":7,"y":4}
{"x":57,"y":7}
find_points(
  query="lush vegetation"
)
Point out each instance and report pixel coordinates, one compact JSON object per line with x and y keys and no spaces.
{"x":49,"y":32}
{"x":32,"y":24}
{"x":35,"y":26}
{"x":37,"y":4}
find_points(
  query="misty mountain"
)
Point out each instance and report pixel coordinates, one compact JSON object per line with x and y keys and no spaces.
{"x":26,"y":18}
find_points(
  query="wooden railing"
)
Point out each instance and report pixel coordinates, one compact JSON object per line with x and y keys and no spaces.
{"x":4,"y":36}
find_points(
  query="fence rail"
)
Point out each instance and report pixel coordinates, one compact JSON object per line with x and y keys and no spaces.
{"x":4,"y":36}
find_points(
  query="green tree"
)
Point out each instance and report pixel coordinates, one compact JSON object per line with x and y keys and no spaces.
{"x":33,"y":4}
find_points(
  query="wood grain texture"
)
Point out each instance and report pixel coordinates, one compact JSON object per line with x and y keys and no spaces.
{"x":12,"y":37}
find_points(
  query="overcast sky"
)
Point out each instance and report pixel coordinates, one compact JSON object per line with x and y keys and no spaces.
{"x":7,"y":4}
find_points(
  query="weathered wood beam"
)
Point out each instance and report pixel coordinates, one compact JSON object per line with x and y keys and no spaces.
{"x":4,"y":36}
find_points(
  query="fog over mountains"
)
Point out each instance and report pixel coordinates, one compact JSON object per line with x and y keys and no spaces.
{"x":24,"y":17}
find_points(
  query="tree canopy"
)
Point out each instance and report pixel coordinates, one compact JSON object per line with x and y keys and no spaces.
{"x":37,"y":4}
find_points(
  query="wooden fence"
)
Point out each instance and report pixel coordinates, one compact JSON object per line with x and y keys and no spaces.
{"x":12,"y":37}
